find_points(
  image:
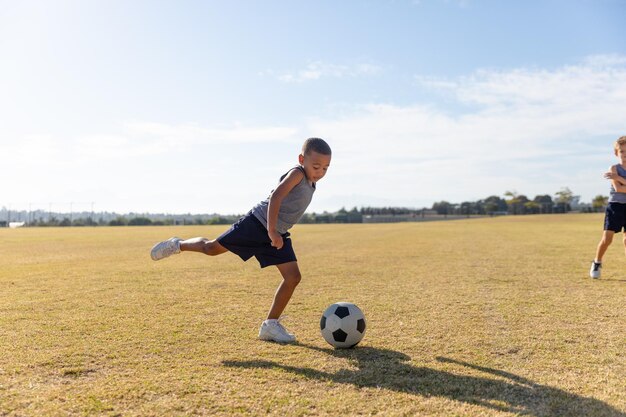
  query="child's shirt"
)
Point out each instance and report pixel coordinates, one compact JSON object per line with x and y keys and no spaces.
{"x":614,"y":196}
{"x":293,"y":205}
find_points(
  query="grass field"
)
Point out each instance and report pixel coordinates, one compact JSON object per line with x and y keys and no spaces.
{"x":488,"y":317}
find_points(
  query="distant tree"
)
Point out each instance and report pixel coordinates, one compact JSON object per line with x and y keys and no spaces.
{"x":323,"y":218}
{"x":545,"y":202}
{"x":90,"y":222}
{"x":599,"y":202}
{"x":65,"y":222}
{"x":494,"y":203}
{"x":564,"y":199}
{"x":443,"y":207}
{"x":78,"y":222}
{"x":219,"y":220}
{"x":511,"y":201}
{"x":139,"y":221}
{"x":531,"y":207}
{"x":119,"y":221}
{"x":515,"y":202}
{"x":339,"y":217}
{"x":466,"y":208}
{"x":52,"y":221}
{"x":354,"y":216}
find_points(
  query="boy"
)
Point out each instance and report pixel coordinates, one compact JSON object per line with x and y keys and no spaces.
{"x":615,"y":217}
{"x":263,"y":232}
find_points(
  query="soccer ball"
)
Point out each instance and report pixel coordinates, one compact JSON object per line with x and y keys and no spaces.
{"x":343,"y":325}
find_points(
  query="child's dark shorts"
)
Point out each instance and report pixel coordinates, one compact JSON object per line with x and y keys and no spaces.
{"x":248,"y":237}
{"x":615,"y":217}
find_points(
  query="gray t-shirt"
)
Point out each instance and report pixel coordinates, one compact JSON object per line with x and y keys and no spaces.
{"x":614,"y":196}
{"x":292,"y":207}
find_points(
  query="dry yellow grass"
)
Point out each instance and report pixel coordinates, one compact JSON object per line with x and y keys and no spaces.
{"x":473,"y":317}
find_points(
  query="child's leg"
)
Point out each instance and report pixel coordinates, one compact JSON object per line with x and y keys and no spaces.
{"x":203,"y":245}
{"x":607,"y":238}
{"x":291,"y":279}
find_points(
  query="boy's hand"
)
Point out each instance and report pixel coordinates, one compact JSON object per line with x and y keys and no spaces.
{"x":277,"y":239}
{"x":610,"y":175}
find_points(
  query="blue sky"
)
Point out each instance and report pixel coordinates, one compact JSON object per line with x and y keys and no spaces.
{"x":199,"y":106}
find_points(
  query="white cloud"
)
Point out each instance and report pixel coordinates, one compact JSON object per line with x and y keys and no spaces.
{"x":533,"y":130}
{"x":318,"y":70}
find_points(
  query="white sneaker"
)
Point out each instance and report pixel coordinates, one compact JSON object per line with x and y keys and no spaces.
{"x":595,"y":270}
{"x":166,"y":248}
{"x":274,"y":331}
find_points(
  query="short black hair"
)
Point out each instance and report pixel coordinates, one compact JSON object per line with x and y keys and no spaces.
{"x":316,"y":145}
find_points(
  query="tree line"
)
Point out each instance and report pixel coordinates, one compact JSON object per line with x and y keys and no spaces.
{"x":512,"y":203}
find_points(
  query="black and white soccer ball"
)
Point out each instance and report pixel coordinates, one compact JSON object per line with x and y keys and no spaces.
{"x":343,"y":325}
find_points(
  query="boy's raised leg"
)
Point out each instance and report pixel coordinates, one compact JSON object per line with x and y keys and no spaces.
{"x":202,"y":245}
{"x":176,"y":245}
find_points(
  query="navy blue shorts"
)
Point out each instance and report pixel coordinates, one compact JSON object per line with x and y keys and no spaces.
{"x":615,"y":217}
{"x":248,"y":237}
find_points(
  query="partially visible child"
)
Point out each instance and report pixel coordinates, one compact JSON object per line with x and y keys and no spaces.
{"x":615,"y":216}
{"x":263,"y":232}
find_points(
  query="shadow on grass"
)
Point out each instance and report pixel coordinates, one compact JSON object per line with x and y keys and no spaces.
{"x":502,"y":391}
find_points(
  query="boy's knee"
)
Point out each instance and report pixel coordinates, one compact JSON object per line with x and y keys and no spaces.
{"x":208,"y":248}
{"x":607,"y":238}
{"x":294,"y":279}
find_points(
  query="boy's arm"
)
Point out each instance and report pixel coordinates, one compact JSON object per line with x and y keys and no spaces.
{"x":292,"y":179}
{"x":619,"y":183}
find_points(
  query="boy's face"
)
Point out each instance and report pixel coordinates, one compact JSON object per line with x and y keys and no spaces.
{"x":621,"y":154}
{"x":315,"y":165}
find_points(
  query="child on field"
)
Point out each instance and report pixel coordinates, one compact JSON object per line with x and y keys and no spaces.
{"x":615,"y":216}
{"x":263,"y":232}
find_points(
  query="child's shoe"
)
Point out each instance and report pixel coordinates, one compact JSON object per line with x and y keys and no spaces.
{"x":273,"y":330}
{"x":596,"y":267}
{"x":166,"y":248}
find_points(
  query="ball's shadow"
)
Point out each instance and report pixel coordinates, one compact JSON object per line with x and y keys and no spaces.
{"x":498,"y":390}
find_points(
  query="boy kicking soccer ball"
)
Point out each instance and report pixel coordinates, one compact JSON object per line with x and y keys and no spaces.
{"x":263,"y":232}
{"x":615,"y":216}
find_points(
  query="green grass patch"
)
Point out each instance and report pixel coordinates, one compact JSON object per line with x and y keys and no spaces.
{"x":490,"y":317}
